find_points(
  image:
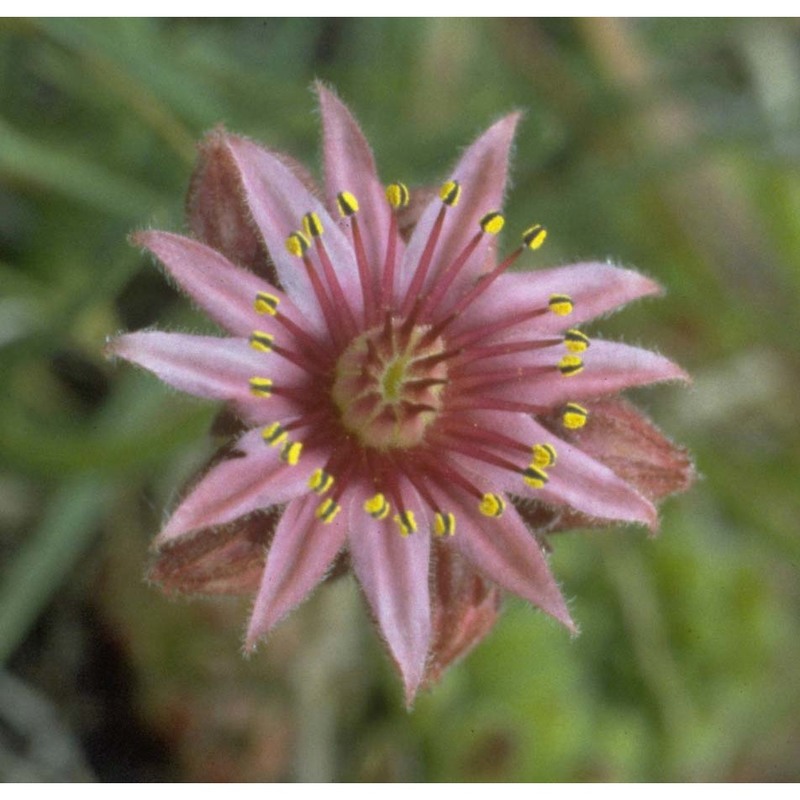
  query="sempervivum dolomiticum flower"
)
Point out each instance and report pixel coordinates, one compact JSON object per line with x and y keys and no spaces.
{"x":403,"y":392}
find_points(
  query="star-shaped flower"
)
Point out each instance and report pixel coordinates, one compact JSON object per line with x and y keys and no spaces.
{"x":409,"y":403}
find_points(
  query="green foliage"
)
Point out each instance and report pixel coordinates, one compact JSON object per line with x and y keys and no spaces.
{"x":669,"y":145}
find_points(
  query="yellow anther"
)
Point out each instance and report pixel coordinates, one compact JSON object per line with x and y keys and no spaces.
{"x":492,"y":505}
{"x":261,"y":387}
{"x":574,"y":416}
{"x":327,"y":510}
{"x":347,"y":203}
{"x":261,"y":340}
{"x":320,"y":481}
{"x":297,"y":244}
{"x":377,"y":506}
{"x":534,"y":476}
{"x":312,"y":225}
{"x":570,"y":365}
{"x":492,"y":223}
{"x":274,"y":434}
{"x":398,"y":195}
{"x":290,"y":453}
{"x":266,"y":303}
{"x":450,"y":193}
{"x":544,"y":455}
{"x":561,"y":304}
{"x":534,"y":237}
{"x":444,"y":524}
{"x":576,"y":341}
{"x":406,"y":522}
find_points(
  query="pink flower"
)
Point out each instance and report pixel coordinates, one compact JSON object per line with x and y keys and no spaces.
{"x":402,"y":394}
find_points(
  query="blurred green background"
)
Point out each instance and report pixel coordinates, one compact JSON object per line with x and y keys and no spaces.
{"x":673,"y":146}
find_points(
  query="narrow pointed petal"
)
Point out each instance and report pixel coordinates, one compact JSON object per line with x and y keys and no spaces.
{"x":482,"y":172}
{"x":503,"y":550}
{"x":594,"y":287}
{"x":576,"y":479}
{"x":393,"y":572}
{"x":208,"y":366}
{"x":278,"y":200}
{"x":224,"y":291}
{"x":350,"y":167}
{"x":300,"y":555}
{"x":255,"y":480}
{"x":608,"y":368}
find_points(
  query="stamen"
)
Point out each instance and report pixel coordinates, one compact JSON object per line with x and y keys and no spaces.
{"x":297,"y":244}
{"x":491,"y":224}
{"x":534,"y":237}
{"x":574,"y":416}
{"x":377,"y":506}
{"x":398,"y":196}
{"x":274,"y":434}
{"x":576,"y":341}
{"x":570,"y":365}
{"x":492,"y":505}
{"x":348,"y":208}
{"x":534,"y":476}
{"x":561,"y":304}
{"x":261,"y":340}
{"x":449,"y":194}
{"x":327,"y":510}
{"x":261,"y":387}
{"x":290,"y":452}
{"x":266,"y":303}
{"x":444,"y":524}
{"x":544,"y":455}
{"x":320,"y":481}
{"x":406,"y":522}
{"x":312,"y":225}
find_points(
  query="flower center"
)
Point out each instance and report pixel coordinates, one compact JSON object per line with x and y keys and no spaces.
{"x":388,"y":385}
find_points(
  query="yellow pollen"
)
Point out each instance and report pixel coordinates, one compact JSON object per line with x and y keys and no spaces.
{"x":398,"y":195}
{"x":534,"y":237}
{"x":492,"y":223}
{"x":570,"y":365}
{"x":406,"y":522}
{"x":261,"y":387}
{"x":574,"y":416}
{"x":444,"y":524}
{"x":544,"y":455}
{"x":297,"y":244}
{"x":291,"y":452}
{"x":561,"y":304}
{"x":535,"y":477}
{"x":450,"y":193}
{"x":274,"y":434}
{"x":320,"y":481}
{"x":312,"y":225}
{"x":377,"y":507}
{"x":266,"y":303}
{"x":492,"y":505}
{"x":327,"y":510}
{"x":347,"y":203}
{"x":261,"y":340}
{"x":576,"y":341}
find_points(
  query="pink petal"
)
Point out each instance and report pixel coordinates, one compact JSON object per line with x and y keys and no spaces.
{"x":350,"y":166}
{"x":609,"y":367}
{"x":504,"y":551}
{"x":224,"y":291}
{"x":278,"y":200}
{"x":209,"y":366}
{"x":301,"y":553}
{"x":482,"y":173}
{"x":576,"y":479}
{"x":595,"y":289}
{"x":393,"y":571}
{"x":240,"y":485}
